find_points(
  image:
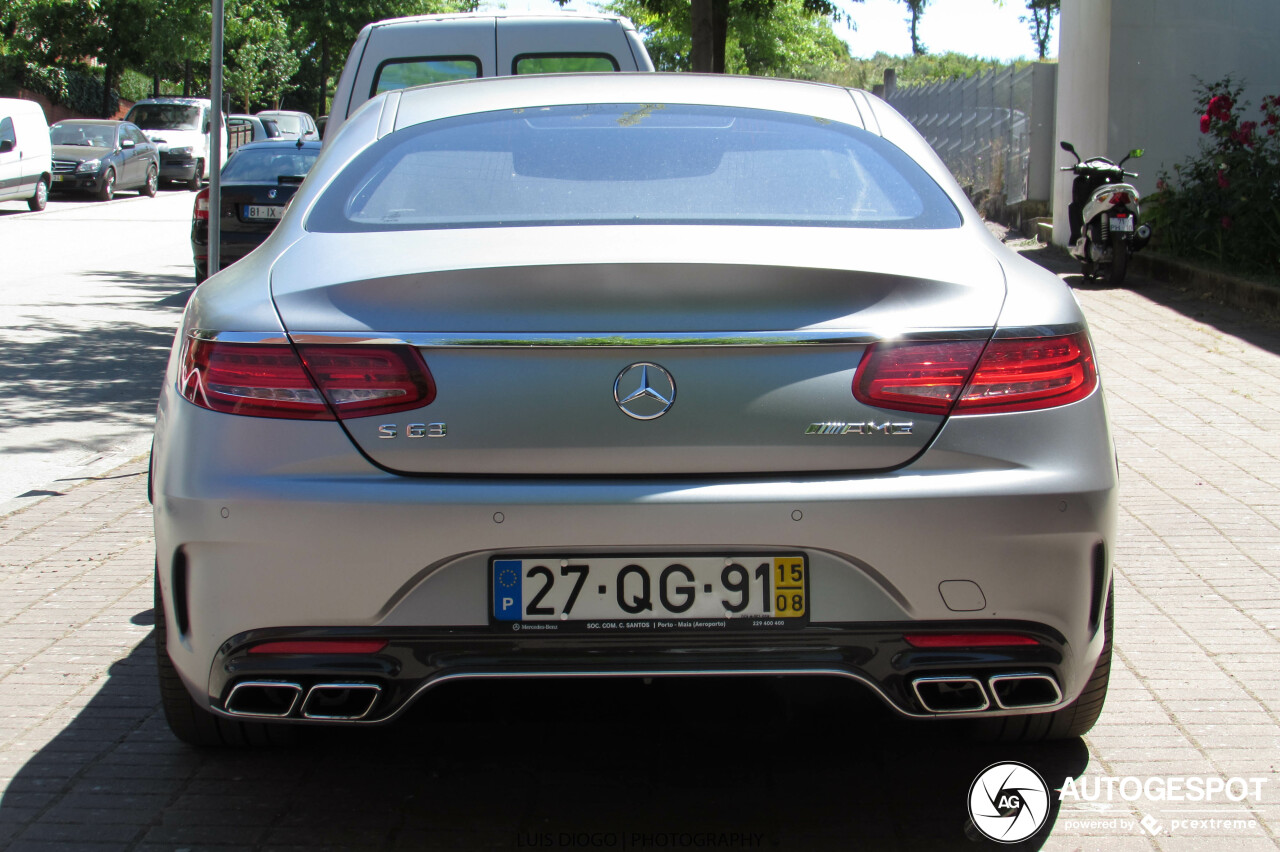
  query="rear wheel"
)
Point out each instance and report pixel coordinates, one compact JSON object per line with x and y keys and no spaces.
{"x":1074,"y":720}
{"x":41,"y":198}
{"x":192,"y":723}
{"x":1119,"y":260}
{"x":108,"y":190}
{"x":153,"y":182}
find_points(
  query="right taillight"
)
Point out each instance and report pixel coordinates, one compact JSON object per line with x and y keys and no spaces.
{"x":270,"y":380}
{"x":966,"y":377}
{"x":201,"y":210}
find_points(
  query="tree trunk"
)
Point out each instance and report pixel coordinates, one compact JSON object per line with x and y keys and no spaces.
{"x":719,"y":33}
{"x":324,"y":73}
{"x":186,"y":78}
{"x":702,"y":25}
{"x":108,"y":79}
{"x":916,"y":47}
{"x":155,"y":84}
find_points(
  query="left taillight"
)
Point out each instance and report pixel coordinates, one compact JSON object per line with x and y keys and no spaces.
{"x":201,"y":210}
{"x":270,"y":380}
{"x":966,"y":377}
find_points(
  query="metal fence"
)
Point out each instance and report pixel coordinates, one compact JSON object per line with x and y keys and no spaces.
{"x":994,"y":131}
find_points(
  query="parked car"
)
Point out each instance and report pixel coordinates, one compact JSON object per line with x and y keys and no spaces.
{"x":25,"y":168}
{"x":257,"y":183}
{"x":180,"y":128}
{"x":293,"y":125}
{"x":403,"y":52}
{"x":243,"y":129}
{"x":102,"y":157}
{"x":631,"y":375}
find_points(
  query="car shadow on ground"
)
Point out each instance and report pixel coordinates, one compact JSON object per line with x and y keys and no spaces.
{"x":1261,"y":331}
{"x":746,"y":763}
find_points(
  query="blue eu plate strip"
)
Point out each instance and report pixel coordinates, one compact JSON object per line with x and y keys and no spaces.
{"x":507,"y":605}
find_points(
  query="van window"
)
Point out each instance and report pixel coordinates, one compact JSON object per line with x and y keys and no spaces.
{"x":562,"y":63}
{"x":165,"y":116}
{"x":6,"y":131}
{"x":418,"y":71}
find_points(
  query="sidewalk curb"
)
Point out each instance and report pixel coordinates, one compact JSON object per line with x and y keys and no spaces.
{"x":1230,"y":289}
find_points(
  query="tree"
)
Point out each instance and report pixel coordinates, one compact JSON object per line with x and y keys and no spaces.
{"x":1040,"y":22}
{"x":916,"y":7}
{"x":260,"y":61}
{"x":789,"y":42}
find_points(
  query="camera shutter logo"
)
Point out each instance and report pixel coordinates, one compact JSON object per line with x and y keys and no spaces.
{"x":1008,"y":802}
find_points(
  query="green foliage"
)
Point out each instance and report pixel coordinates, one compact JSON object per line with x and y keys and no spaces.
{"x":790,"y":41}
{"x":258,"y":59}
{"x":1223,"y":204}
{"x":913,"y":70}
{"x":76,"y":88}
{"x":134,"y":85}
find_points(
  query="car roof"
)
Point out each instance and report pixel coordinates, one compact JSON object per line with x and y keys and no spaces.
{"x":98,"y":121}
{"x":173,"y":100}
{"x":270,"y":112}
{"x":506,"y":17}
{"x":823,"y":101}
{"x":276,"y":144}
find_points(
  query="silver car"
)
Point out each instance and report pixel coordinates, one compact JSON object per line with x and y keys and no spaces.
{"x":631,"y":375}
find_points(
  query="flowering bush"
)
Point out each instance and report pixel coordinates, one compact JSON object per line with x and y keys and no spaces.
{"x":1223,"y":204}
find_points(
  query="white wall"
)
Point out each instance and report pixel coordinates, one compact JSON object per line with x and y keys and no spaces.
{"x":1127,"y":76}
{"x":1084,"y":61}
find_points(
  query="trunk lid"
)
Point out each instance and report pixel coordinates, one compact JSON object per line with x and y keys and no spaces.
{"x":759,"y":329}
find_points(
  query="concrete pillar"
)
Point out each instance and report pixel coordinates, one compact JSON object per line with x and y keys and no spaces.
{"x":1084,"y":72}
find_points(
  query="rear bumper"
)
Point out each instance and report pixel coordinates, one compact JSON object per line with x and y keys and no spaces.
{"x":414,"y":662}
{"x":268,"y":528}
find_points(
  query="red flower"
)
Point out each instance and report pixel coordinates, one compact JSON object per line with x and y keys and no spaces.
{"x":1204,"y":124}
{"x":1226,"y":223}
{"x":1220,"y":107}
{"x":1245,"y":134}
{"x":1222,"y":180}
{"x":1161,"y":186}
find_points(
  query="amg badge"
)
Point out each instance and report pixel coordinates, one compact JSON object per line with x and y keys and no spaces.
{"x":869,"y":427}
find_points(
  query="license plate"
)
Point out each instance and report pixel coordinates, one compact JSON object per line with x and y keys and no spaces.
{"x":1122,"y":223}
{"x":59,"y":178}
{"x":629,"y":593}
{"x":263,"y":211}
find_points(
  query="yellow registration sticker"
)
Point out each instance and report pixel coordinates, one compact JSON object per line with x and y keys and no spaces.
{"x":788,"y":587}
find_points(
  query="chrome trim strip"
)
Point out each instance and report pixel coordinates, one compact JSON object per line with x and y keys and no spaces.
{"x":265,"y":684}
{"x":802,"y":337}
{"x":1057,"y":691}
{"x":239,"y":336}
{"x":915,"y":687}
{"x":1058,"y":330}
{"x":353,"y":687}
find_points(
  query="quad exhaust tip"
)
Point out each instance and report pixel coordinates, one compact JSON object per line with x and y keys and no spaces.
{"x":263,"y":699}
{"x":950,"y":694}
{"x":1024,"y":691}
{"x":344,"y":702}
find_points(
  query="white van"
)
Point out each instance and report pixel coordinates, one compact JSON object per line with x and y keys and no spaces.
{"x":404,"y":52}
{"x":26,"y":166}
{"x":180,"y":129}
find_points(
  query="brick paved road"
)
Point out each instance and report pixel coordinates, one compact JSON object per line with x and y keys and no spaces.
{"x":86,"y":762}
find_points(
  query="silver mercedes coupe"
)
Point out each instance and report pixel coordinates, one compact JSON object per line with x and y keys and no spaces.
{"x":631,"y":375}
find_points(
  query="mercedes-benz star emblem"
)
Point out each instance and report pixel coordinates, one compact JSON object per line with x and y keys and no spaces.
{"x":644,"y":391}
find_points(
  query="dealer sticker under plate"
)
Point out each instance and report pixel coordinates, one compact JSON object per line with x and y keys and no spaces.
{"x":629,"y":593}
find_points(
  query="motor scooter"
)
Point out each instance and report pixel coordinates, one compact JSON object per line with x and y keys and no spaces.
{"x":1103,"y":215}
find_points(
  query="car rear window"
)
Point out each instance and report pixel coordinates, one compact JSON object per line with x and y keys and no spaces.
{"x":566,"y":63}
{"x":261,"y":165}
{"x":631,"y":164}
{"x":403,"y":73}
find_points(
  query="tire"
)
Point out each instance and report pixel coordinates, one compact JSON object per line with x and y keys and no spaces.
{"x":38,"y":201}
{"x":1119,"y":260}
{"x":196,"y":179}
{"x":192,"y":723}
{"x":108,"y":190}
{"x":153,"y":183}
{"x":1074,"y":720}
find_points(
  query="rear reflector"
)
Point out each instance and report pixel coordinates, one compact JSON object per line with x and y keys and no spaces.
{"x":321,"y":646}
{"x":967,"y":640}
{"x":201,"y":210}
{"x":937,"y":377}
{"x":269,"y":380}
